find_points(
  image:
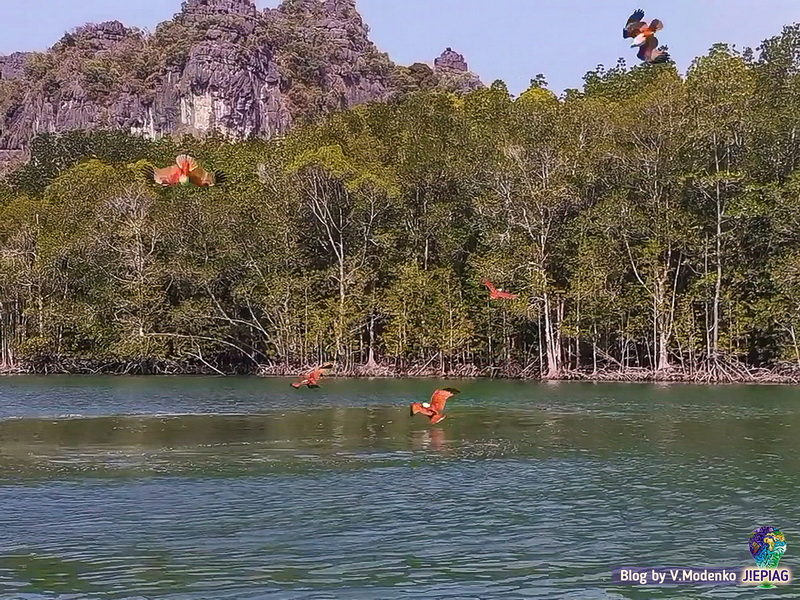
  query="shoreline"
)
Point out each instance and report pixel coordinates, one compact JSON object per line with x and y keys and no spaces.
{"x":782,"y":375}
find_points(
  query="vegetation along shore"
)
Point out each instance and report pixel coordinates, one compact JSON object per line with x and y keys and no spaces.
{"x":650,"y":224}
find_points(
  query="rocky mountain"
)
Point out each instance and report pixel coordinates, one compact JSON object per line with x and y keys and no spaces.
{"x":217,"y":65}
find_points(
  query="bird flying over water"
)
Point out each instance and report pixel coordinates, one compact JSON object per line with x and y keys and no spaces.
{"x":435,"y":408}
{"x":311,"y":379}
{"x":185,"y":172}
{"x":495,"y":293}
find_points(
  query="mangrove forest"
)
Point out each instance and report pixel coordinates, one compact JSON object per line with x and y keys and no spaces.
{"x":649,"y":222}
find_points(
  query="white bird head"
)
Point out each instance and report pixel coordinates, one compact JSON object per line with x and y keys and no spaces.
{"x":639,"y":40}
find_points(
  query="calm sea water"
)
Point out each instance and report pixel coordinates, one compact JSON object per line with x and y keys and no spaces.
{"x":214,"y":488}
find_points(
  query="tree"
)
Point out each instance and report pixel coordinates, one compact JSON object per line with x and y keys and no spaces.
{"x":650,"y":218}
{"x":719,"y":89}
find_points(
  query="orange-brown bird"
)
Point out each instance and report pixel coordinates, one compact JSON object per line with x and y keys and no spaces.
{"x":644,"y":37}
{"x":185,"y":172}
{"x":311,"y":379}
{"x":434,"y":409}
{"x":496,"y":294}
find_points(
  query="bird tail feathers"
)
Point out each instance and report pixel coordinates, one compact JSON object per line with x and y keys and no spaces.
{"x":186,"y":162}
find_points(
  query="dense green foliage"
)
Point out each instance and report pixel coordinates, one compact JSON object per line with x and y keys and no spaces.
{"x":648,"y":221}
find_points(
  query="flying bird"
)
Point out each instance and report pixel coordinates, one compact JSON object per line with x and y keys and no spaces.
{"x":311,"y":379}
{"x":433,"y":409}
{"x":185,"y":172}
{"x":496,"y":294}
{"x":639,"y":30}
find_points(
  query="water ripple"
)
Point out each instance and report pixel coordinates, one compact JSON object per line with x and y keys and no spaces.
{"x":347,"y":500}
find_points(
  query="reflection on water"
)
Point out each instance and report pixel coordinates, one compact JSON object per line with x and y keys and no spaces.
{"x":245,"y":488}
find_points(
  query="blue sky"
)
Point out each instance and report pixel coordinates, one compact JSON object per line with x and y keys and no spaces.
{"x":512,"y":40}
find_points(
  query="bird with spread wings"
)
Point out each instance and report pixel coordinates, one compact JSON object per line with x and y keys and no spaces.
{"x":644,"y":37}
{"x":184,"y":172}
{"x":434,"y":409}
{"x":497,"y":294}
{"x":311,"y":379}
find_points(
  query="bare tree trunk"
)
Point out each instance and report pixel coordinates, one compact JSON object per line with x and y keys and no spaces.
{"x":8,"y":332}
{"x":705,"y":303}
{"x":491,"y":349}
{"x":625,"y":359}
{"x":718,"y":284}
{"x":340,"y":323}
{"x":552,"y":340}
{"x":541,"y":356}
{"x":794,"y":343}
{"x":661,"y":322}
{"x":371,"y":364}
{"x":578,"y":336}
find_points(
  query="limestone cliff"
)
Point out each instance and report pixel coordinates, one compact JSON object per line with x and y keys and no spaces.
{"x":217,"y":65}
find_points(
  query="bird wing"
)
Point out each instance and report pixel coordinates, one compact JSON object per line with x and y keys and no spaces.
{"x":507,"y":295}
{"x":202,"y":178}
{"x":186,"y":163}
{"x":659,"y":56}
{"x":165,"y":176}
{"x":313,"y":376}
{"x":489,"y":285}
{"x":648,"y":52}
{"x":439,"y":398}
{"x":634,"y":24}
{"x":646,"y":49}
{"x":309,"y":376}
{"x":656,"y":25}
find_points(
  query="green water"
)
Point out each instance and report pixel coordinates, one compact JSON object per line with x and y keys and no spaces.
{"x":214,"y":488}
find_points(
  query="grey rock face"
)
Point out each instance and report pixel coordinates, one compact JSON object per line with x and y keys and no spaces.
{"x":217,"y":65}
{"x":450,"y":61}
{"x":219,"y":7}
{"x":102,"y":36}
{"x":236,"y":92}
{"x":454,"y":73}
{"x":13,"y":65}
